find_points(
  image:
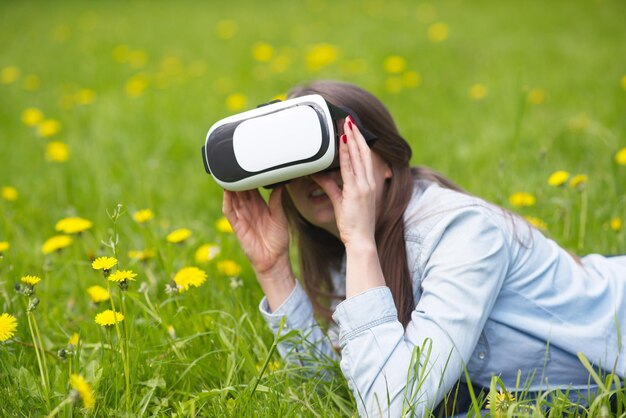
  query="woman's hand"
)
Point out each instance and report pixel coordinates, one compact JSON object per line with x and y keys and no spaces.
{"x":355,"y":210}
{"x":263,"y":234}
{"x":355,"y":204}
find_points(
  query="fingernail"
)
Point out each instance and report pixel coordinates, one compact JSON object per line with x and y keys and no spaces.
{"x":344,"y":138}
{"x":350,"y":125}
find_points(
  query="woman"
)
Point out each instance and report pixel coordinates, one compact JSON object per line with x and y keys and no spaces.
{"x":435,"y":281}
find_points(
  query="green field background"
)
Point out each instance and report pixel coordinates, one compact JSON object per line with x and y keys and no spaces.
{"x":553,"y":80}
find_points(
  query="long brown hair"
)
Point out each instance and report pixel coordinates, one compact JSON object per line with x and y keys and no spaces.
{"x":318,"y":250}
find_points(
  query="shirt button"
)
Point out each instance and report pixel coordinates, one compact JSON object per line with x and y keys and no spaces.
{"x":481,"y":355}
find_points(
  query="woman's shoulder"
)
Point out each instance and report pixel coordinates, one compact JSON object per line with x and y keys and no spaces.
{"x":432,"y":204}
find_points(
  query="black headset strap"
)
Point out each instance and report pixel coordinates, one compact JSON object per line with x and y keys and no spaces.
{"x":341,"y":112}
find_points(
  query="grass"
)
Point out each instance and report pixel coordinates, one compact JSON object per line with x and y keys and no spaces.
{"x":136,"y":85}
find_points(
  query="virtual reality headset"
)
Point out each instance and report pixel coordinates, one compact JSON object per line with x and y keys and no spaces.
{"x":276,"y":142}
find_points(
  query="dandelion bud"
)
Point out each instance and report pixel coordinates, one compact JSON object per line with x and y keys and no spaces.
{"x":18,"y":287}
{"x":74,"y":395}
{"x":33,"y":303}
{"x":171,"y":288}
{"x":143,"y":287}
{"x":62,"y":354}
{"x":28,"y":290}
{"x":235,"y":282}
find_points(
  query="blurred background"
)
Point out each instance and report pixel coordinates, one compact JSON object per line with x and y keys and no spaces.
{"x":109,"y":102}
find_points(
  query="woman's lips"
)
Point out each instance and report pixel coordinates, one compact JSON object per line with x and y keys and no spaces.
{"x":318,"y":194}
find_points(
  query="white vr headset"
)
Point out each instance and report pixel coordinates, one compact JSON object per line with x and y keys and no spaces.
{"x":276,"y":142}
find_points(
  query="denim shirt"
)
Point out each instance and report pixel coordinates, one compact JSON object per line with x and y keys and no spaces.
{"x":493,"y":297}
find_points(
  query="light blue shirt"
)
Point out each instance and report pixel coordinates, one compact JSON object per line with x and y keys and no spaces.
{"x":492,"y":294}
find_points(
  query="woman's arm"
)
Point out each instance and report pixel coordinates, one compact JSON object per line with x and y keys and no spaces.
{"x":465,"y":267}
{"x":393,"y":372}
{"x":261,"y":229}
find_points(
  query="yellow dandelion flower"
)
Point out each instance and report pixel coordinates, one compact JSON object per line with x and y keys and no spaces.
{"x":9,"y":193}
{"x":73,"y":225}
{"x":522,"y":199}
{"x":620,"y":156}
{"x":108,"y":318}
{"x":30,"y":280}
{"x":48,"y":128}
{"x":122,"y":276}
{"x":236,"y":102}
{"x":411,"y":79}
{"x":57,"y":151}
{"x":143,"y":215}
{"x":32,"y":116}
{"x":98,"y":294}
{"x":272,"y":366}
{"x":189,"y":276}
{"x":9,"y":75}
{"x":73,"y":339}
{"x":171,"y":331}
{"x":616,"y":224}
{"x":228,"y":268}
{"x":321,"y":55}
{"x":8,"y":325}
{"x":85,"y":96}
{"x":558,"y":178}
{"x":31,"y":82}
{"x":281,"y":96}
{"x":104,"y":263}
{"x":206,"y":253}
{"x":223,"y":225}
{"x":477,"y":91}
{"x":438,"y":32}
{"x":56,"y":243}
{"x":136,"y":85}
{"x":262,"y":51}
{"x":141,"y":255}
{"x":502,"y":402}
{"x":536,"y":96}
{"x":537,"y":223}
{"x":83,"y":389}
{"x":226,"y":29}
{"x":578,"y":181}
{"x":394,"y":64}
{"x":178,"y":235}
{"x":4,"y":246}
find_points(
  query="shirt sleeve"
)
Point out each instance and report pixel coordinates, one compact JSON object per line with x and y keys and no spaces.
{"x":398,"y":372}
{"x":311,"y":345}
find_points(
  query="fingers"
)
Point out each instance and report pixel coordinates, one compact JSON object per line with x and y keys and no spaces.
{"x":359,"y":153}
{"x":275,"y":203}
{"x":330,"y":187}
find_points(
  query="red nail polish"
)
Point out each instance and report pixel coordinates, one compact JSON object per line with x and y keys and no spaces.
{"x":344,"y":138}
{"x":350,"y":125}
